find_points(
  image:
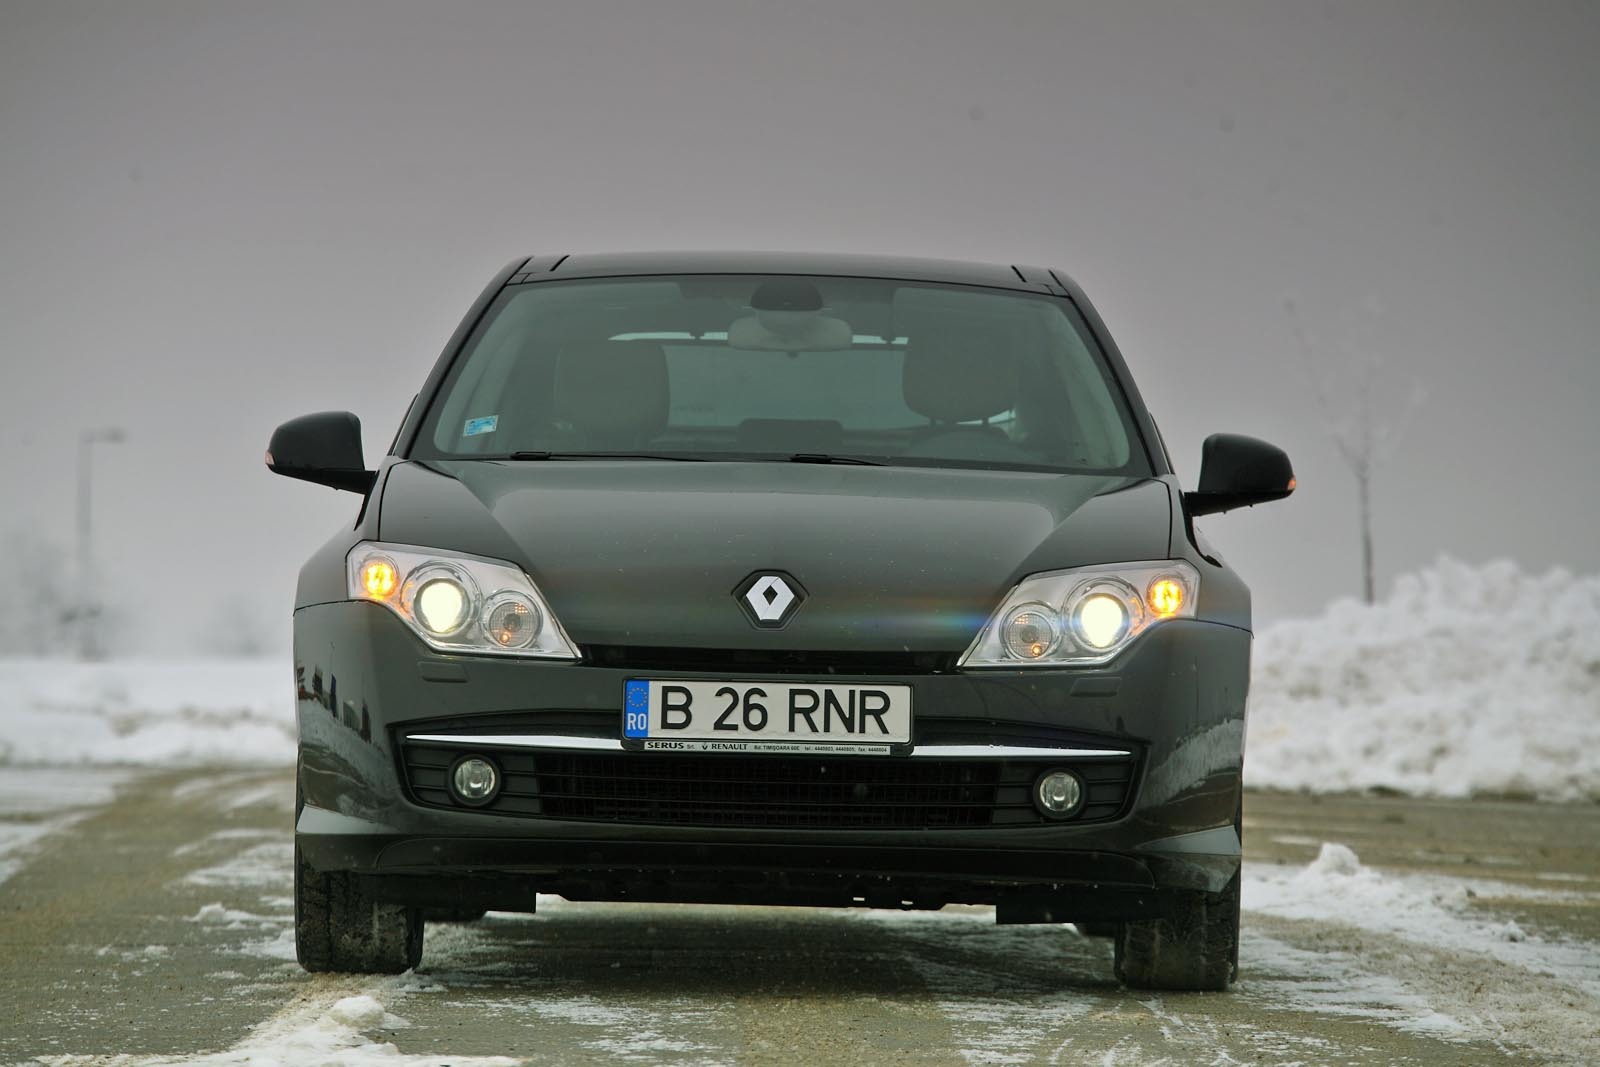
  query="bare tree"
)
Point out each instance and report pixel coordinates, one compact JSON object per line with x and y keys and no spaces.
{"x":1365,"y":415}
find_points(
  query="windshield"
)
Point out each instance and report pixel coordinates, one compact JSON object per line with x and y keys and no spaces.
{"x":752,"y":367}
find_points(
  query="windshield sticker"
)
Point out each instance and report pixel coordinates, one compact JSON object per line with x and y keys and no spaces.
{"x":486,"y":424}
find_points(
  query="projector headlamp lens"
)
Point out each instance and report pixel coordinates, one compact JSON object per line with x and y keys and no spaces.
{"x":1031,"y":632}
{"x":1100,"y":620}
{"x":511,"y":620}
{"x":440,"y":597}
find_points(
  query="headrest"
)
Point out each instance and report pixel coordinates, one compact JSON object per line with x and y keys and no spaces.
{"x":955,"y":378}
{"x":613,"y":391}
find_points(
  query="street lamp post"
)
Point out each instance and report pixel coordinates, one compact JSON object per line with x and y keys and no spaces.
{"x":88,"y":613}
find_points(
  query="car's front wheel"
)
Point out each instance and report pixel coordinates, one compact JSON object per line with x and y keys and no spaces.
{"x":338,"y":926}
{"x":1195,"y":946}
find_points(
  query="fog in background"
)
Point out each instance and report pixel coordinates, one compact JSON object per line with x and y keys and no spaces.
{"x":217,"y":216}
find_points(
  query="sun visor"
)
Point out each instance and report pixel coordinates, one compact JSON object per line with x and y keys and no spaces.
{"x":921,"y":301}
{"x":916,"y":309}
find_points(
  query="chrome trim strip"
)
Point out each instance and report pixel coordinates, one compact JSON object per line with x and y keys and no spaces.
{"x":611,"y":744}
{"x":605,"y":744}
{"x":1014,"y":752}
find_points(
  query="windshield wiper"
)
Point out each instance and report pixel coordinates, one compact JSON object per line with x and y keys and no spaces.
{"x":824,"y":457}
{"x":604,"y":455}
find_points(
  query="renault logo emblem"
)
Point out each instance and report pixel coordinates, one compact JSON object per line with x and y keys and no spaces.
{"x":769,"y":598}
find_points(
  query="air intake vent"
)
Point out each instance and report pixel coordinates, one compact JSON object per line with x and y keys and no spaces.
{"x":779,"y":792}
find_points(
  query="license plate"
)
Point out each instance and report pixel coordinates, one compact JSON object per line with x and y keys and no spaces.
{"x":766,"y":716}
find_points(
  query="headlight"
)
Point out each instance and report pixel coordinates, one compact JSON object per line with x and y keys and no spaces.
{"x":1102,"y":613}
{"x":512,"y":620}
{"x":458,"y":603}
{"x":1030,"y":632}
{"x":438,"y":596}
{"x":1083,"y":617}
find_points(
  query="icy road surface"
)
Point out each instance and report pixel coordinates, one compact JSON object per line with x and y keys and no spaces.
{"x":155,"y":928}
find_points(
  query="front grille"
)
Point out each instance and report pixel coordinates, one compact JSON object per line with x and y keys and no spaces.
{"x":754,"y":791}
{"x":779,"y":792}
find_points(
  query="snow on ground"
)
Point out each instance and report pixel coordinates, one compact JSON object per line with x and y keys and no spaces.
{"x":1280,"y":977}
{"x":1419,"y":972}
{"x":1465,"y":680}
{"x":37,"y":801}
{"x":1411,"y":952}
{"x":152,"y":713}
{"x":320,"y":1027}
{"x":1429,"y":910}
{"x":18,"y":836}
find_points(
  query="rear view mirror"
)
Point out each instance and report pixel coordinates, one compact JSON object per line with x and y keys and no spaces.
{"x":1238,"y":471}
{"x":789,"y":331}
{"x":324,"y":448}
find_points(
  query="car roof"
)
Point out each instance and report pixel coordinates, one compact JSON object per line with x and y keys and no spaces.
{"x":623,"y":264}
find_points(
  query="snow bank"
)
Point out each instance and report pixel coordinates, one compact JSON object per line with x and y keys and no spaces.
{"x":189,"y":712}
{"x":1466,"y":680}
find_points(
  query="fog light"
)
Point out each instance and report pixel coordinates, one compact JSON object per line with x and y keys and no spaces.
{"x":474,"y":781}
{"x":1059,"y":794}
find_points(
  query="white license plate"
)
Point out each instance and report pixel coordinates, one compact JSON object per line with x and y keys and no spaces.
{"x":766,"y":716}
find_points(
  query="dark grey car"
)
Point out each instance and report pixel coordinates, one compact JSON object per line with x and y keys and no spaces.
{"x":774,"y":579}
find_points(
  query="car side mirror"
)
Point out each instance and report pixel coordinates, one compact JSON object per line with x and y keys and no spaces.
{"x":324,"y":448}
{"x":1238,"y":471}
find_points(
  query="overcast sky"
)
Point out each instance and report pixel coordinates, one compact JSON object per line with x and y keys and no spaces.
{"x":217,"y":216}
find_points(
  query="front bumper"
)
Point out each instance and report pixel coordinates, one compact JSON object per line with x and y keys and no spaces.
{"x":1175,"y":700}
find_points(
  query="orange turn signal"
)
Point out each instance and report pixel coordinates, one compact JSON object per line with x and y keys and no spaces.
{"x":1165,"y":597}
{"x":379,"y":579}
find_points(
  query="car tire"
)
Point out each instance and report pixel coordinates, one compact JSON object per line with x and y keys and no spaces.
{"x":1196,"y":947}
{"x":340,"y":927}
{"x":1192,"y":948}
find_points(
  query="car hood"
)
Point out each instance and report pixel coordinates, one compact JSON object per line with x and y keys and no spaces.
{"x":895,"y":559}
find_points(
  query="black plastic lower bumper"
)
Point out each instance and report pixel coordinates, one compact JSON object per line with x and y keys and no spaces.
{"x":1175,"y":698}
{"x":506,"y":874}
